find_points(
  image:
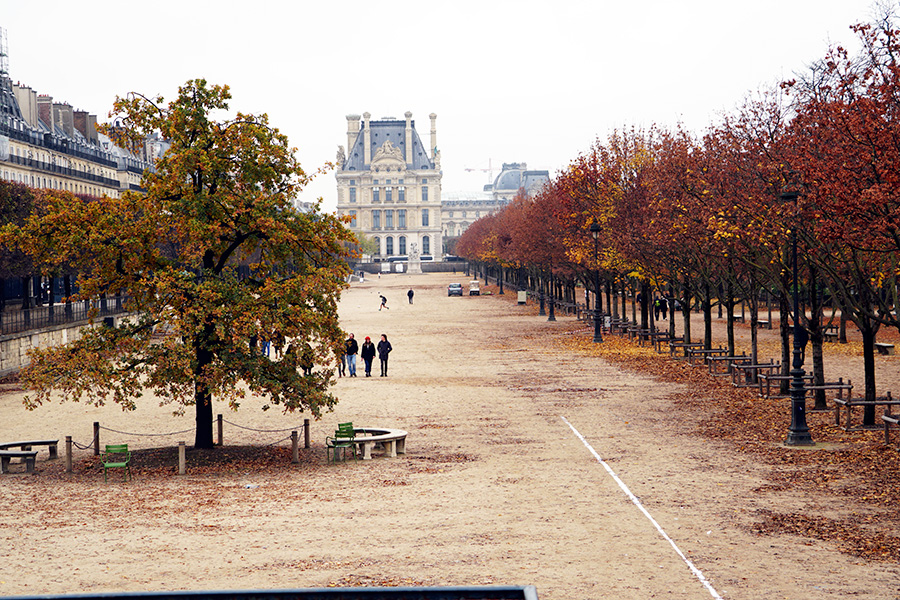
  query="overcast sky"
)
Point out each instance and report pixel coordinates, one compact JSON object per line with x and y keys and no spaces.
{"x":522,"y":81}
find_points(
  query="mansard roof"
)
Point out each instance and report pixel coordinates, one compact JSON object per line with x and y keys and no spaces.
{"x":395,"y":132}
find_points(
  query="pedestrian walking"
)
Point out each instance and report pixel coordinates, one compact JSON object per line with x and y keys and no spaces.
{"x":351,"y":348}
{"x":383,"y":302}
{"x":368,"y":355}
{"x":409,"y":295}
{"x":384,"y":349}
{"x":656,"y":308}
{"x":307,"y":358}
{"x":663,"y":307}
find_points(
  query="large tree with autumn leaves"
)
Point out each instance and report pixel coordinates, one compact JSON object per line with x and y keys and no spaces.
{"x":214,"y":255}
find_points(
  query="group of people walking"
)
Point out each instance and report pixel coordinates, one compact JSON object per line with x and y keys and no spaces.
{"x":367,"y":352}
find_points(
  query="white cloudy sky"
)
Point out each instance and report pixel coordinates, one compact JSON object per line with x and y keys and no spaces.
{"x":522,"y":81}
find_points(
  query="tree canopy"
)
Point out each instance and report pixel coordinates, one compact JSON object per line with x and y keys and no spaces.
{"x":214,"y":256}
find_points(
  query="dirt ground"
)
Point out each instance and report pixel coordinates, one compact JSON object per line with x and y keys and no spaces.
{"x":499,"y":485}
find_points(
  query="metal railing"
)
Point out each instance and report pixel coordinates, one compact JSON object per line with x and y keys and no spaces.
{"x":42,"y":317}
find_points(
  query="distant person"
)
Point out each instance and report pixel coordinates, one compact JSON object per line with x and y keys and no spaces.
{"x":383,"y":303}
{"x":351,"y":348}
{"x":384,"y":349}
{"x":342,"y":363}
{"x":657,"y":307}
{"x":663,"y":307}
{"x":368,"y":354}
{"x":409,"y":295}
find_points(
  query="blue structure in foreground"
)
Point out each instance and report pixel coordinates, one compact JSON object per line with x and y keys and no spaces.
{"x":528,"y":592}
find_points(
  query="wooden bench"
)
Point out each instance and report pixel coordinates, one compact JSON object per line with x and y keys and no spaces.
{"x":746,"y":374}
{"x":701,"y":353}
{"x":27,"y":455}
{"x":674,"y":347}
{"x":886,"y":401}
{"x":714,"y":363}
{"x":885,"y":349}
{"x":889,"y":420}
{"x":764,"y":324}
{"x":765,"y":381}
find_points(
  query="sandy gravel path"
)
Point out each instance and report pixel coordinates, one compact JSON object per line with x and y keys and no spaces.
{"x":496,"y":487}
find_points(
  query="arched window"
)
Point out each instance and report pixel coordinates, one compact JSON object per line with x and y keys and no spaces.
{"x":402,"y":245}
{"x":426,"y":245}
{"x":389,"y":246}
{"x":377,"y":246}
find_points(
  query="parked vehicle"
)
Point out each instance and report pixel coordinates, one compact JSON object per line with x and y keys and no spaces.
{"x":474,"y":288}
{"x":455,"y":289}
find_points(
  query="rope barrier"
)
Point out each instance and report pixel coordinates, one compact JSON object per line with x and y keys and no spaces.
{"x":277,"y":442}
{"x":145,"y":434}
{"x":300,"y":427}
{"x":81,"y":447}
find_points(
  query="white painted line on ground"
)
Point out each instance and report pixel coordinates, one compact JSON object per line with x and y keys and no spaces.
{"x":634,"y":499}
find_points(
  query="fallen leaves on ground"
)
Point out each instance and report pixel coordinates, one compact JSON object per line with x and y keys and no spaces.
{"x":855,"y":471}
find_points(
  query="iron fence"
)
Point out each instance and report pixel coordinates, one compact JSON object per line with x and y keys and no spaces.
{"x":42,"y":317}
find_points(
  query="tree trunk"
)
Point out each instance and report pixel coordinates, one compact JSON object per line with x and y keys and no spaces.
{"x":686,"y":294}
{"x":203,"y":437}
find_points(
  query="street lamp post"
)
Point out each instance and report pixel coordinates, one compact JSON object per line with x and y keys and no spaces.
{"x":598,"y":328}
{"x":798,"y":432}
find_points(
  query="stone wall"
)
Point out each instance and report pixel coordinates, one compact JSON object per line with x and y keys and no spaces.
{"x":14,"y":347}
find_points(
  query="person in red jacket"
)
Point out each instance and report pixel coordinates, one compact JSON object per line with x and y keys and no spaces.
{"x":368,"y":354}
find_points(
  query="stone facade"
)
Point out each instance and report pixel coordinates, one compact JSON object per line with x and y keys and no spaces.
{"x":48,"y":144}
{"x":390,"y":184}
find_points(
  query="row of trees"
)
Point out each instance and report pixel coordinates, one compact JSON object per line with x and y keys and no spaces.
{"x":214,"y":254}
{"x":711,"y":218}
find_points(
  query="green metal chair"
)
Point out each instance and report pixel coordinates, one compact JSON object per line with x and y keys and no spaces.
{"x":116,"y":456}
{"x":343,"y":439}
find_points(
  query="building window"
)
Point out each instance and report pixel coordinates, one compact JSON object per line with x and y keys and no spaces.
{"x":353,"y":218}
{"x":400,"y":181}
{"x":450,"y":215}
{"x":377,"y":246}
{"x":389,"y":245}
{"x":388,"y":219}
{"x":401,"y":194}
{"x":375,"y":194}
{"x":352,"y":182}
{"x":424,"y":193}
{"x":402,"y":245}
{"x":401,"y":220}
{"x":388,"y":194}
{"x":424,"y":181}
{"x":353,"y":194}
{"x":424,"y":217}
{"x":376,"y":219}
{"x":426,"y":245}
{"x":463,"y":214}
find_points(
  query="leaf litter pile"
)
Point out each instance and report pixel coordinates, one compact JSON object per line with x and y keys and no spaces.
{"x":855,"y":472}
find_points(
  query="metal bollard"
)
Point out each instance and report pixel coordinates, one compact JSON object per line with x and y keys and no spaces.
{"x":295,"y":452}
{"x":68,"y":454}
{"x":306,"y":433}
{"x":219,"y":423}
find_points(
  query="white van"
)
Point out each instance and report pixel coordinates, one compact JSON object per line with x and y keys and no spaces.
{"x":474,"y":288}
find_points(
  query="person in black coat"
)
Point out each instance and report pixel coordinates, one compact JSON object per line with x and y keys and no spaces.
{"x":368,"y":353}
{"x":384,"y":348}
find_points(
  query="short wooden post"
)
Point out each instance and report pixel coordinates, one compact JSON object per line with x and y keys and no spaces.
{"x":68,"y":454}
{"x":219,"y":424}
{"x":181,"y":466}
{"x":295,"y":452}
{"x":96,"y":438}
{"x":306,"y":433}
